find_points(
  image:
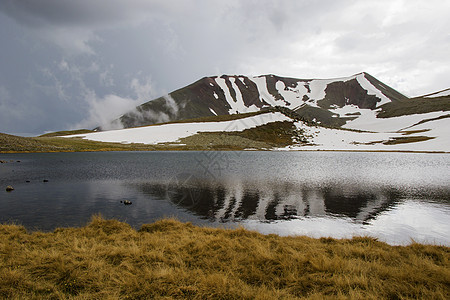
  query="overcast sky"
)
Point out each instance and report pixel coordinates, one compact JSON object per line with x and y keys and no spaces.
{"x":68,"y":64}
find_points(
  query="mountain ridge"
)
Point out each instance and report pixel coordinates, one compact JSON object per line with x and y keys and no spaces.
{"x":270,"y":112}
{"x":236,"y":112}
{"x":312,"y":99}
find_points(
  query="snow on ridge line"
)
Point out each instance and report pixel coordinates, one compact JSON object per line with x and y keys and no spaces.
{"x":313,"y":88}
{"x":371,"y":89}
{"x":439,"y":94}
{"x":347,"y":78}
{"x":317,"y":87}
{"x":168,"y":133}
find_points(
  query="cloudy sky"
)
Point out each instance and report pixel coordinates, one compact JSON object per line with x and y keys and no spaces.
{"x":68,"y":64}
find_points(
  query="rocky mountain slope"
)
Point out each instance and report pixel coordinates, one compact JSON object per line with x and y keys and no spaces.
{"x":310,"y":98}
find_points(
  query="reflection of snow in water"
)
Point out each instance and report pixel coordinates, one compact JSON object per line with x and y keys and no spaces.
{"x":410,"y":221}
{"x":341,"y":211}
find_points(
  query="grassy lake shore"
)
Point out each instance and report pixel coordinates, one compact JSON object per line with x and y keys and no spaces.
{"x":108,"y":259}
{"x":199,"y":142}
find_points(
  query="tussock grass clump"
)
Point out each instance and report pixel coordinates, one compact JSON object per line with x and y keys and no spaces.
{"x":108,"y":259}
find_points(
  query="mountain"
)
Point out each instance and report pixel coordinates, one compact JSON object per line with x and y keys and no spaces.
{"x":272,"y":112}
{"x":312,"y":99}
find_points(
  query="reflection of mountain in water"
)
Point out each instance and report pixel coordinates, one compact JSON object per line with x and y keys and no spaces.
{"x":267,"y":202}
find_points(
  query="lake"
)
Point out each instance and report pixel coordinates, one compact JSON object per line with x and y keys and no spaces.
{"x":395,"y":197}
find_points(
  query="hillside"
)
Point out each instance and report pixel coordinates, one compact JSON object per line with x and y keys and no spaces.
{"x":225,"y":95}
{"x":318,"y":108}
{"x":282,"y":129}
{"x":269,"y":112}
{"x":230,"y":136}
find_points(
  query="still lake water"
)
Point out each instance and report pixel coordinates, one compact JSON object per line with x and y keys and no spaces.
{"x":396,"y":197}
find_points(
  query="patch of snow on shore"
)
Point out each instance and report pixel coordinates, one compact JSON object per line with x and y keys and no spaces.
{"x":169,"y":133}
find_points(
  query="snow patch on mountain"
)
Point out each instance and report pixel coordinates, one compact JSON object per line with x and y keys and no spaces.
{"x":439,"y":94}
{"x":239,"y":105}
{"x":222,"y":84}
{"x":290,"y":95}
{"x":261,"y":83}
{"x":321,"y":138}
{"x":317,"y":88}
{"x":368,"y":121}
{"x":212,"y":110}
{"x":371,"y":90}
{"x":347,"y":110}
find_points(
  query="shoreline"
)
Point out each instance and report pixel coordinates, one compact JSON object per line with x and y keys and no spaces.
{"x":226,"y":150}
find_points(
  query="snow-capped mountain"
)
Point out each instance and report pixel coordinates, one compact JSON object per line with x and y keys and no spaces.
{"x":271,"y":112}
{"x":313,"y":99}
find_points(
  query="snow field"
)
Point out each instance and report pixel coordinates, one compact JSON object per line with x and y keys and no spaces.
{"x":335,"y":139}
{"x":169,"y":133}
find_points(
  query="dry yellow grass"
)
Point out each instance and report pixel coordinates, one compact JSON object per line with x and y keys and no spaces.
{"x":108,"y":259}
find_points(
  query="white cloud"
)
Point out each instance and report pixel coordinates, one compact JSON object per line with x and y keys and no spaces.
{"x":102,"y":110}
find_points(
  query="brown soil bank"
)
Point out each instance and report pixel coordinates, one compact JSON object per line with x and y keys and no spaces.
{"x":108,"y":259}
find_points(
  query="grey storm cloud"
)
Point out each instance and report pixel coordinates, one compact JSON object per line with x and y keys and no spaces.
{"x":68,"y":63}
{"x":80,"y":12}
